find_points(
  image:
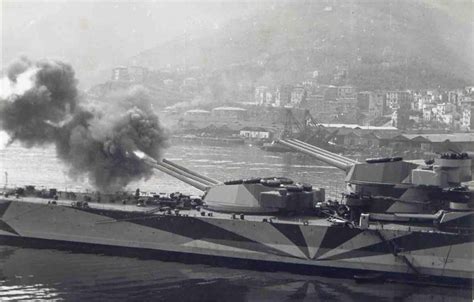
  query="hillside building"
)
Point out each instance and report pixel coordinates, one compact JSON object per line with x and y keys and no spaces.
{"x":467,"y":114}
{"x":298,"y":96}
{"x":396,"y":99}
{"x":283,"y":95}
{"x":120,"y":73}
{"x":370,"y":104}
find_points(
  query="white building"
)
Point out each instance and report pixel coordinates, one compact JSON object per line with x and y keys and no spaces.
{"x":444,"y":108}
{"x":120,"y":73}
{"x":448,"y":118}
{"x":423,"y":100}
{"x":197,"y":115}
{"x":233,"y":113}
{"x":467,"y":115}
{"x":261,"y":94}
{"x":397,"y":99}
{"x":297,"y":95}
{"x":255,"y":133}
{"x":428,"y":113}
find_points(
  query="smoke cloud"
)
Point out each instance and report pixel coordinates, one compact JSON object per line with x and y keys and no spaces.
{"x":40,"y":104}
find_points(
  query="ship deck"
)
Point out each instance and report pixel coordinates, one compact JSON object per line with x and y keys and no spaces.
{"x":205,"y":213}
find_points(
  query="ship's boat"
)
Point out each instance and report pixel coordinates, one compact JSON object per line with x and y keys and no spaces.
{"x":399,"y":220}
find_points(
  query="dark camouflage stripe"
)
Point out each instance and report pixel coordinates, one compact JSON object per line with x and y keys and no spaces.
{"x":294,"y":234}
{"x":409,"y":242}
{"x":194,"y":228}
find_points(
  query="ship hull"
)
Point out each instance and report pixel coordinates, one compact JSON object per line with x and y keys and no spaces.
{"x":308,"y":248}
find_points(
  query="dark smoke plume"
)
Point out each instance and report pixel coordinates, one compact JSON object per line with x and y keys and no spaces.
{"x":18,"y":67}
{"x":93,"y":139}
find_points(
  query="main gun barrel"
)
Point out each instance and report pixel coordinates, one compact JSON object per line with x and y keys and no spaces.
{"x":198,"y":185}
{"x":185,"y":174}
{"x":327,"y":157}
{"x":191,"y":172}
{"x":323,"y":151}
{"x":181,"y":173}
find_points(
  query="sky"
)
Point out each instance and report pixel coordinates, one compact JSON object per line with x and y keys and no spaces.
{"x":95,"y":35}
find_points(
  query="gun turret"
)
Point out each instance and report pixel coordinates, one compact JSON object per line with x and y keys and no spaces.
{"x":393,"y":185}
{"x":267,"y":195}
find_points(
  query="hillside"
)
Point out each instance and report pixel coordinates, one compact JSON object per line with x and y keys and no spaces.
{"x":389,"y":44}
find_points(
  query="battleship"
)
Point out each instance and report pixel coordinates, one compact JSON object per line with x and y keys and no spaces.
{"x":405,"y":221}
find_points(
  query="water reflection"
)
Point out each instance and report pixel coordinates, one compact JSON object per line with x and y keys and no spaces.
{"x":57,"y":274}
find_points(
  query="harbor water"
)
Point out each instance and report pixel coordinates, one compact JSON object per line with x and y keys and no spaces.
{"x":28,"y":273}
